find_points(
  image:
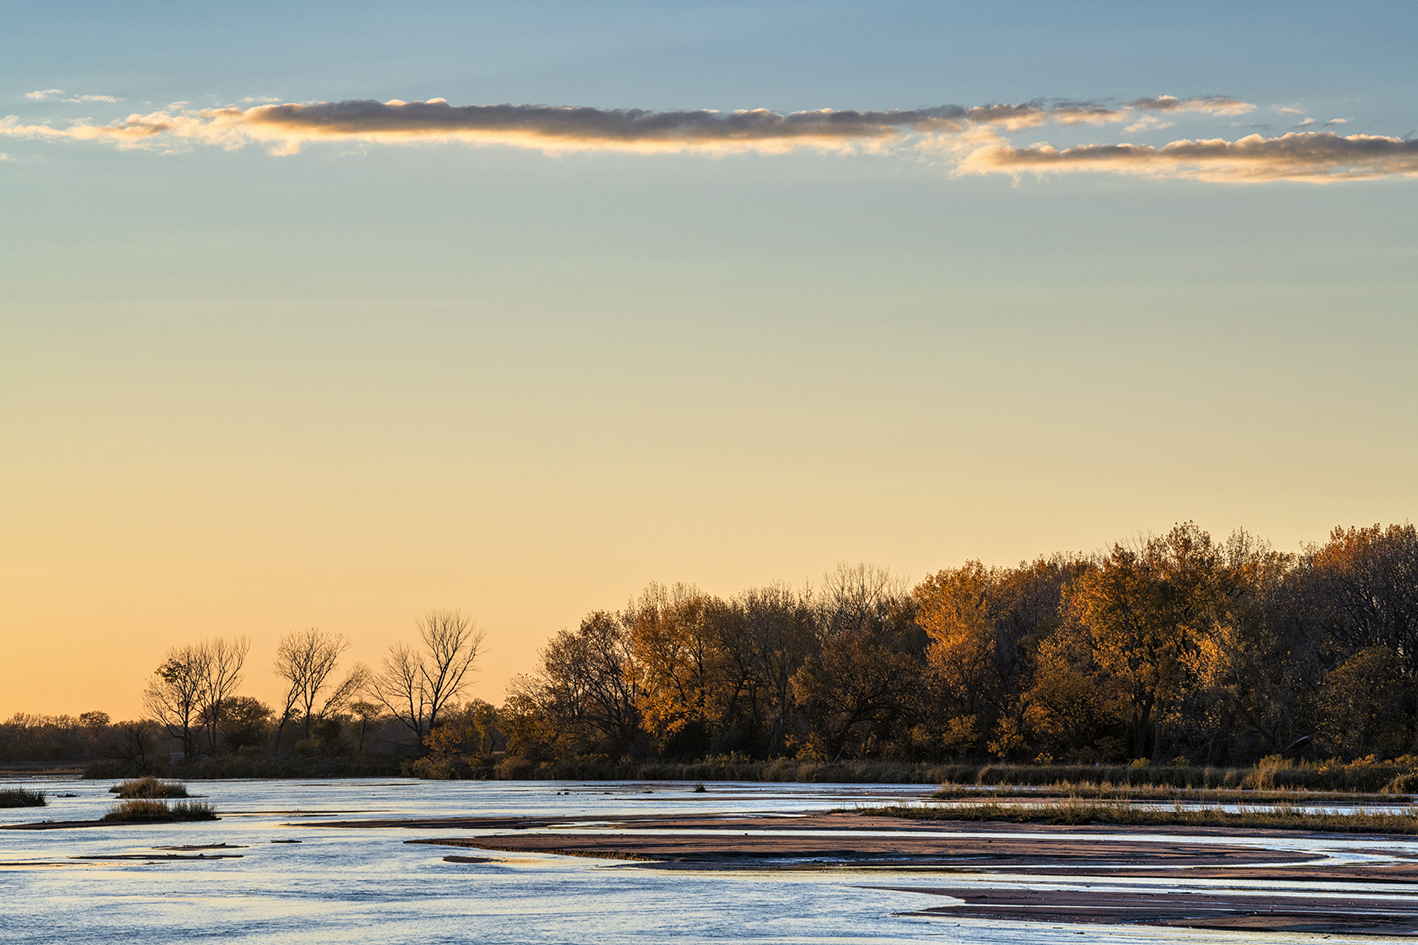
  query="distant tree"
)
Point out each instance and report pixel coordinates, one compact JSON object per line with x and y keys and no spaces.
{"x":780,"y":631}
{"x":954,"y":607}
{"x":1246,"y":672}
{"x":189,"y":688}
{"x":868,"y":672}
{"x":860,"y":596}
{"x":135,"y":744}
{"x":174,"y":696}
{"x":1362,"y":705}
{"x":306,"y":661}
{"x":1364,"y":590}
{"x":364,"y":716}
{"x":676,"y":665}
{"x":587,"y":684}
{"x":222,"y":661}
{"x":245,"y":723}
{"x":532,"y":732}
{"x":1144,"y":609}
{"x":1068,"y":706}
{"x":416,"y":685}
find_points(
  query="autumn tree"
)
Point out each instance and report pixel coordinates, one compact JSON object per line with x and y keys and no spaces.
{"x":677,"y":655}
{"x":462,"y":744}
{"x":779,"y":632}
{"x":1364,"y":590}
{"x":1361,"y":705}
{"x":587,"y":683}
{"x":1245,"y":672}
{"x":1069,"y":704}
{"x":864,"y":680}
{"x":415,"y":685}
{"x":954,"y":608}
{"x":1145,"y":608}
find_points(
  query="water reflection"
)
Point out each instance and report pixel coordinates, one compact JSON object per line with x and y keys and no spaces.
{"x":351,"y":885}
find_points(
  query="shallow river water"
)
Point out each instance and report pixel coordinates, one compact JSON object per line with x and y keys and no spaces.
{"x":351,"y":885}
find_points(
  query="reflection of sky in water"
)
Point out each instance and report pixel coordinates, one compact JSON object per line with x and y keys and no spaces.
{"x":354,"y":886}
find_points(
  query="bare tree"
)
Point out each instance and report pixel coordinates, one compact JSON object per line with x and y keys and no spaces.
{"x":187,"y":690}
{"x":306,"y":660}
{"x":173,"y":696}
{"x":135,"y":744}
{"x":416,"y":685}
{"x":856,"y":597}
{"x":221,"y":664}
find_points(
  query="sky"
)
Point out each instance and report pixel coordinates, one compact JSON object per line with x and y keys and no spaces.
{"x":327,"y":314}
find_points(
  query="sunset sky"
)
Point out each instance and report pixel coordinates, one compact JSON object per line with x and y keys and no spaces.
{"x":323,"y":315}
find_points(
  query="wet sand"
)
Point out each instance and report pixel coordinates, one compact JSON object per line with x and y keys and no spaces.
{"x":1084,"y":858}
{"x":1224,"y":909}
{"x":853,"y":840}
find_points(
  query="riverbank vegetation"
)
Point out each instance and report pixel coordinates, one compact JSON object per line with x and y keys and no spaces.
{"x":1176,"y":659}
{"x":1084,"y":812}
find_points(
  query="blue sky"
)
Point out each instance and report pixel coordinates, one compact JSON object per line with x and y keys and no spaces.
{"x":249,"y":393}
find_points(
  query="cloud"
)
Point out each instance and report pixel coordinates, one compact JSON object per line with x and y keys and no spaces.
{"x":1212,"y":104}
{"x":1298,"y":156}
{"x":44,"y":94}
{"x":285,"y":128}
{"x":136,"y":128}
{"x":969,"y":138}
{"x":556,"y":128}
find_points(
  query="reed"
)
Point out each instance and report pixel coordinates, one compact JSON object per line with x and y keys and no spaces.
{"x":145,"y":810}
{"x":149,"y":788}
{"x":20,"y":797}
{"x":1106,"y":790}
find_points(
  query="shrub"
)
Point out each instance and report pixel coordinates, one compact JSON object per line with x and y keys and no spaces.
{"x":149,"y":788}
{"x":143,"y":810}
{"x":19,"y":797}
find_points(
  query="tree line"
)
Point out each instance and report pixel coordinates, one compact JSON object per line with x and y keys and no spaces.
{"x":195,"y":714}
{"x":1173,"y":647}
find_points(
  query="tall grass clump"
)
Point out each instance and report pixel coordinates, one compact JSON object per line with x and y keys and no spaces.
{"x":19,"y":797}
{"x":149,"y":788}
{"x":148,"y":811}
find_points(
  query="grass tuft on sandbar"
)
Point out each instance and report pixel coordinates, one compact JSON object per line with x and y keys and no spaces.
{"x":149,"y":788}
{"x":143,"y":810}
{"x":19,"y":797}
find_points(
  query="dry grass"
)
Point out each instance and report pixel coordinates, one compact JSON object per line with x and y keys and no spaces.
{"x":1076,"y":812}
{"x":1106,"y":790}
{"x":19,"y":797}
{"x":149,"y":788}
{"x":142,"y":810}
